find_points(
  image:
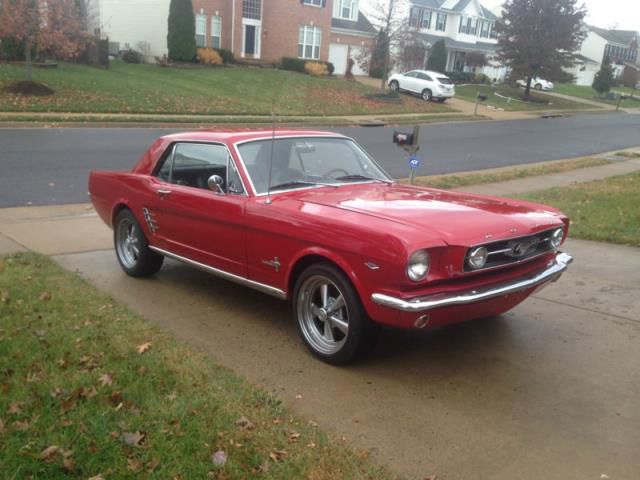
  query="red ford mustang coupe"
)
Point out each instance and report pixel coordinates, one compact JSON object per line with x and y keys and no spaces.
{"x":311,"y":217}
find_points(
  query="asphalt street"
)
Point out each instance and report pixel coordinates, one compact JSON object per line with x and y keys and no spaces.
{"x":50,"y":166}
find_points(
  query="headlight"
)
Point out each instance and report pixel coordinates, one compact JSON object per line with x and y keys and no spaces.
{"x":477,"y":257}
{"x":556,"y":238}
{"x":418,"y":266}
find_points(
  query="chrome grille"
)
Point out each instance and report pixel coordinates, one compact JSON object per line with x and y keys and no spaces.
{"x":514,"y":250}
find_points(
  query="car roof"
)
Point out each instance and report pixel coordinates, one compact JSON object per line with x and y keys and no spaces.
{"x":431,"y":72}
{"x":240,"y":135}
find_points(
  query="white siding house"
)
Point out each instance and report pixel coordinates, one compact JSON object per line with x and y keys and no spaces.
{"x":465,"y":26}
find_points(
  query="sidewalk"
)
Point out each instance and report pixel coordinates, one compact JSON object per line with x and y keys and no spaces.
{"x":65,"y":229}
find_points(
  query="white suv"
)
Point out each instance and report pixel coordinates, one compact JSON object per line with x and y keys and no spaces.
{"x":537,"y":83}
{"x":425,"y":83}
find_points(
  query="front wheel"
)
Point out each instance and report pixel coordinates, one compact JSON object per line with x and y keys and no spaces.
{"x":132,"y":249}
{"x":426,"y":95}
{"x":329,"y":315}
{"x":394,"y":86}
{"x":538,"y":86}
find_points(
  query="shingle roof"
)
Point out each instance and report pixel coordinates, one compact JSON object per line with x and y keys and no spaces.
{"x":458,"y":7}
{"x":623,"y":37}
{"x":362,"y":25}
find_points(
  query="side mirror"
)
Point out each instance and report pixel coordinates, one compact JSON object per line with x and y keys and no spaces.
{"x":215,"y":183}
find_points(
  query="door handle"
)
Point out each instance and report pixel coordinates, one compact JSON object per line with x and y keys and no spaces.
{"x":163,"y":192}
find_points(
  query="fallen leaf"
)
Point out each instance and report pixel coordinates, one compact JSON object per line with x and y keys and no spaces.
{"x":431,"y":477}
{"x":105,"y":380}
{"x":97,"y":477}
{"x":219,"y":458}
{"x":45,"y":296}
{"x":293,"y":436}
{"x":278,"y":455}
{"x":142,"y":370}
{"x":69,"y":464}
{"x":152,"y":465}
{"x":15,"y":408}
{"x":172,"y":396}
{"x":245,"y":424}
{"x":134,"y":465}
{"x":88,"y":392}
{"x":19,"y":425}
{"x":299,"y":396}
{"x":133,"y":439}
{"x":49,"y":452}
{"x":144,"y":347}
{"x":4,"y":297}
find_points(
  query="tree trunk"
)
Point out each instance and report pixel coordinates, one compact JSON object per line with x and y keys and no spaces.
{"x":385,"y":67}
{"x":527,"y":89}
{"x":28,"y":62}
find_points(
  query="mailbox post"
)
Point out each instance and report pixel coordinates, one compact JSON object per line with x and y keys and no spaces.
{"x":410,"y":143}
{"x":479,"y":98}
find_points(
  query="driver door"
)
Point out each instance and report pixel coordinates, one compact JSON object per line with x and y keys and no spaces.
{"x":199,"y":222}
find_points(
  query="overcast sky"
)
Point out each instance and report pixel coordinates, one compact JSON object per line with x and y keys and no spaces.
{"x":621,"y":14}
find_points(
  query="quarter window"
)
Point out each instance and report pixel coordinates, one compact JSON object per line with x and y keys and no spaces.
{"x":201,"y":30}
{"x":216,"y":31}
{"x":309,"y":40}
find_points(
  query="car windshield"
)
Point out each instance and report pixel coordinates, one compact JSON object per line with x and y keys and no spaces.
{"x":307,"y":161}
{"x":444,"y":81}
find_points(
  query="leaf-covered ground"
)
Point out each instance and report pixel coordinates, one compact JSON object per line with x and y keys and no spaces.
{"x":605,"y":210}
{"x":510,"y":99}
{"x":127,"y":88}
{"x":90,"y":390}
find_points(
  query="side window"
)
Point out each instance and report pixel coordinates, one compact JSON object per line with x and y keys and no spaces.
{"x":192,"y":164}
{"x":411,"y":74}
{"x":424,"y":76}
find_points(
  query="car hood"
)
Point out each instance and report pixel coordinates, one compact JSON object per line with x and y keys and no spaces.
{"x":455,"y":218}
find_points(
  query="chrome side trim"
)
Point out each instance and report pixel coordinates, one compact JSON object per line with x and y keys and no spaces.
{"x":552,"y":272}
{"x":261,"y":287}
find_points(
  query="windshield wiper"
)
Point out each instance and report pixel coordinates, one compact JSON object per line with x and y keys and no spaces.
{"x":292,"y":183}
{"x":364,"y":178}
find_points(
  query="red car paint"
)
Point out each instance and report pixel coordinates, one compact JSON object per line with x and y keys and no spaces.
{"x":350,"y":226}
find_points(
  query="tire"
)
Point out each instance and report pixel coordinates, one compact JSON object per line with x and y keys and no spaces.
{"x":394,"y":86}
{"x":336,"y":337}
{"x":132,"y":248}
{"x":426,"y":95}
{"x":538,"y":86}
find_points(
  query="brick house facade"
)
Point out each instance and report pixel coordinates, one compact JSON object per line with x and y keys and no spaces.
{"x":327,"y":30}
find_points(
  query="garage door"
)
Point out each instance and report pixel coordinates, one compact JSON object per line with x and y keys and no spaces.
{"x":338,"y":56}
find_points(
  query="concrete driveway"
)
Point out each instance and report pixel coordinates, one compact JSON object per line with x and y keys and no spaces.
{"x":550,"y":390}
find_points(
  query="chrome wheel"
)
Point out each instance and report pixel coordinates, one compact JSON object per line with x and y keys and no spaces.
{"x":394,"y":86}
{"x":426,"y":94}
{"x":322,"y":314}
{"x":128,"y":243}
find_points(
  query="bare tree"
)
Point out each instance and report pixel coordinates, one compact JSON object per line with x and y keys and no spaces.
{"x":392,"y":18}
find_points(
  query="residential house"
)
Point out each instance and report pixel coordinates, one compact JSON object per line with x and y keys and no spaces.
{"x":620,"y":46}
{"x":254,"y":30}
{"x":465,"y":26}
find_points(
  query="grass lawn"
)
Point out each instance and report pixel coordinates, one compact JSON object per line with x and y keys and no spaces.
{"x":605,"y":210}
{"x":504,"y":174}
{"x":128,"y":88}
{"x":589,"y":93}
{"x":546,"y":102}
{"x":90,"y":390}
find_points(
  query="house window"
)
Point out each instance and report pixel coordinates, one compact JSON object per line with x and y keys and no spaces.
{"x":441,"y":22}
{"x":484,"y":29}
{"x":426,"y":19}
{"x":468,"y":25}
{"x":216,"y":31}
{"x":347,"y":9}
{"x":309,"y":42}
{"x":492,"y":31}
{"x":252,"y":9}
{"x":415,"y":16}
{"x":201,"y":30}
{"x":315,"y":3}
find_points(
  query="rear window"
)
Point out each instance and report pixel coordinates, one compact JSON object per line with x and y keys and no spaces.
{"x":444,"y":81}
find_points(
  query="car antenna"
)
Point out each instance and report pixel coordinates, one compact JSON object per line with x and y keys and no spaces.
{"x":273,"y":139}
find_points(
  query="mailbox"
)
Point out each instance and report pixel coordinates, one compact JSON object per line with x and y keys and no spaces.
{"x":403,"y":139}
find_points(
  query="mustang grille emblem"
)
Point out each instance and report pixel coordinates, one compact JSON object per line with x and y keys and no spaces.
{"x":520,"y":248}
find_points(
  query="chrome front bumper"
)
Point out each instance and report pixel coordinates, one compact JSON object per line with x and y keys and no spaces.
{"x":552,"y":272}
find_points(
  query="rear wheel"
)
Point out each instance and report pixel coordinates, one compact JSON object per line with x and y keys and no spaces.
{"x":394,"y":86}
{"x":426,"y":95}
{"x":329,"y":315}
{"x":132,"y":248}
